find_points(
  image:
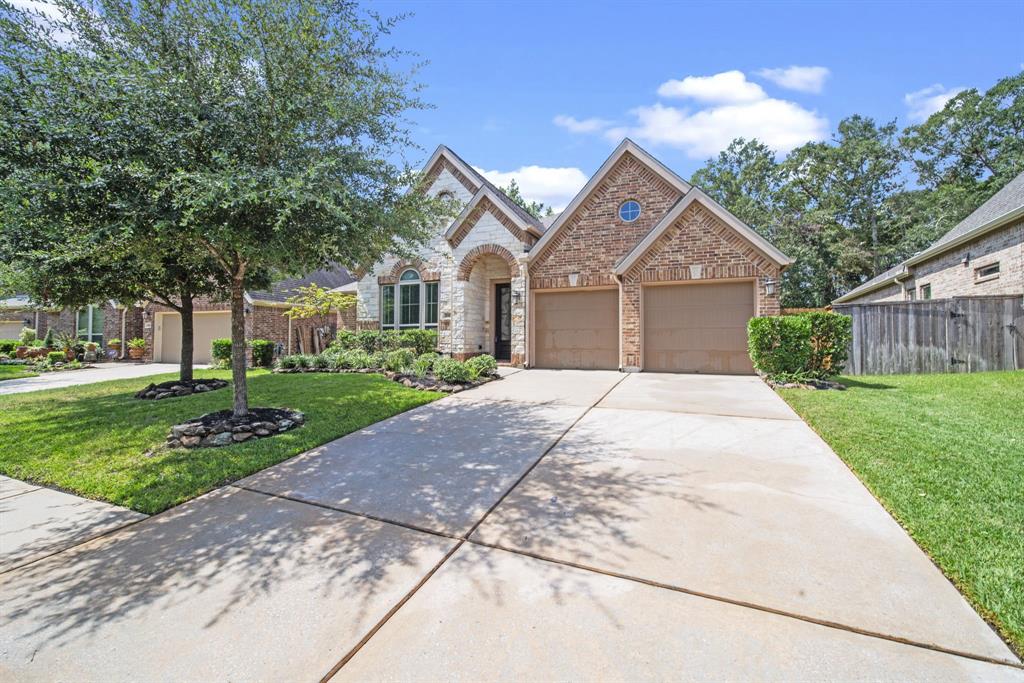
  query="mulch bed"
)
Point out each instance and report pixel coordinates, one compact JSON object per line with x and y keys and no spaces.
{"x":174,"y":388}
{"x":425,"y":383}
{"x":806,"y":384}
{"x":223,"y":429}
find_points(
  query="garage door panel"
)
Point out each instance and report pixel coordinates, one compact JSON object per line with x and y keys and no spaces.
{"x":206,"y":328}
{"x":577,"y":329}
{"x":11,"y":330}
{"x":698,"y":327}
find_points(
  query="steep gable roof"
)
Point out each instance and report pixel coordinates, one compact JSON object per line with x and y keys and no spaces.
{"x":627,"y":146}
{"x":697,"y":195}
{"x":493,"y":196}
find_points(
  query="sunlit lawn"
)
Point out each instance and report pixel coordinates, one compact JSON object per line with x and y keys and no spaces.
{"x":98,"y":441}
{"x":14,"y":372}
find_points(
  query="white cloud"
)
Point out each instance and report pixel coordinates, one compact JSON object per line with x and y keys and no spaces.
{"x":779,"y":124}
{"x":924,"y":102}
{"x":46,"y":15}
{"x":574,"y":125}
{"x":800,"y":78}
{"x":728,"y":87}
{"x":553,"y":186}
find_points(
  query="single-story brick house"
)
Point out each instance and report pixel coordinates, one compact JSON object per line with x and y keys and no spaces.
{"x":160,"y":326}
{"x":982,"y":255}
{"x":642,"y":271}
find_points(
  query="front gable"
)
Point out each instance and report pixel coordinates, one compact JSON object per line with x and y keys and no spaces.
{"x":589,"y":238}
{"x":487,"y":204}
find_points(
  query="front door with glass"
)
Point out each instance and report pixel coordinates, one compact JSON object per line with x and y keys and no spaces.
{"x":503,"y":322}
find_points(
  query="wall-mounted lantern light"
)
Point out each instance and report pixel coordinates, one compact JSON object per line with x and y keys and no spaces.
{"x":769,"y":286}
{"x":574,"y":278}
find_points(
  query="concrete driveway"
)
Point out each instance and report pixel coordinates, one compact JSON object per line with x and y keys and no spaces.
{"x":553,"y":525}
{"x":71,"y":378}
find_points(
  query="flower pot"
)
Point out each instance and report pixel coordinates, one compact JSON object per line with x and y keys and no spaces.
{"x":90,"y":355}
{"x":69,"y":354}
{"x":21,"y":352}
{"x":136,"y":353}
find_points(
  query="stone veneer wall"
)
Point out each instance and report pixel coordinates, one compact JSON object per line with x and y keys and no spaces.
{"x":698,"y":247}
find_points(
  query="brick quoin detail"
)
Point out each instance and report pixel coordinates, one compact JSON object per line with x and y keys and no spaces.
{"x":697,"y":238}
{"x":485,"y":206}
{"x":594,"y":239}
{"x":474,"y":254}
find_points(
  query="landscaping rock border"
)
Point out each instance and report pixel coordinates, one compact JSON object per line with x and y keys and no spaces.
{"x":155,"y":392}
{"x":426,"y":383}
{"x":222,"y":429}
{"x":816,"y":384}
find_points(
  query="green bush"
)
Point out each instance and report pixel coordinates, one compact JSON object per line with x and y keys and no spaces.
{"x":421,"y":366}
{"x":799,"y":347}
{"x":345,"y":340}
{"x":27,"y":336}
{"x":420,"y":341}
{"x":357,"y":359}
{"x":320,"y":361}
{"x":482,"y":365}
{"x":831,"y":334}
{"x":376,"y":360}
{"x":451,"y":371}
{"x":220,"y":351}
{"x":389,"y":340}
{"x":399,"y":360}
{"x":367,"y":340}
{"x":428,"y":358}
{"x":9,"y":345}
{"x":48,"y":339}
{"x":303,"y":361}
{"x":288,"y":362}
{"x":56,"y":357}
{"x":262,"y":352}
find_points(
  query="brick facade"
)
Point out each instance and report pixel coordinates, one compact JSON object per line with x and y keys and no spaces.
{"x":698,"y":247}
{"x":594,"y":238}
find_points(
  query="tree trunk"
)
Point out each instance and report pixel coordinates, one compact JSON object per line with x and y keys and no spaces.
{"x":238,"y":351}
{"x":187,"y":337}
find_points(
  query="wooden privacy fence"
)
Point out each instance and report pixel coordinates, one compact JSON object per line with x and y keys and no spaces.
{"x":962,"y":334}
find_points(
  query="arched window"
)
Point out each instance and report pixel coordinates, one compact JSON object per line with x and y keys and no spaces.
{"x":414,"y":306}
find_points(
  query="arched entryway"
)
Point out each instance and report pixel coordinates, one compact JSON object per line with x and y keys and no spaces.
{"x":489,"y":314}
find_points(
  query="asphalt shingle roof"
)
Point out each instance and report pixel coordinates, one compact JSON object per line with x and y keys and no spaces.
{"x":283,"y":289}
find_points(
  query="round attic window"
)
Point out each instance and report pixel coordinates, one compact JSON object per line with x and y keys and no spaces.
{"x":446,"y":195}
{"x":629,"y":210}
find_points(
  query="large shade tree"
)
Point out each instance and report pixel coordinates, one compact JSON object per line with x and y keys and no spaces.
{"x":289,"y":115}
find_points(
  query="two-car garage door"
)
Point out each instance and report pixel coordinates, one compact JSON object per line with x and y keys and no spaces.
{"x":698,"y":327}
{"x":206,"y":328}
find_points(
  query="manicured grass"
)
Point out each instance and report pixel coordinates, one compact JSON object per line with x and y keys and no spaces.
{"x":945,"y":455}
{"x":14,"y":372}
{"x":98,"y":441}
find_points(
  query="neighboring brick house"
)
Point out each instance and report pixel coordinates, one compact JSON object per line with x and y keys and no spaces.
{"x":641,"y":271}
{"x":981,"y":255}
{"x":264,"y":319}
{"x":99,"y":322}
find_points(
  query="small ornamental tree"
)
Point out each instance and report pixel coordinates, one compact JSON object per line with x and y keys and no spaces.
{"x":315,"y":303}
{"x":287,"y":116}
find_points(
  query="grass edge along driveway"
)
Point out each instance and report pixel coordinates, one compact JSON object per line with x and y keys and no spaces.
{"x":15,"y":372}
{"x":944,"y":454}
{"x":100,"y":442}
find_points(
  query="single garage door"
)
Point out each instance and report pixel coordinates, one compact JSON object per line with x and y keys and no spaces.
{"x":207,"y":327}
{"x":11,"y":329}
{"x":698,"y":327}
{"x":577,"y":329}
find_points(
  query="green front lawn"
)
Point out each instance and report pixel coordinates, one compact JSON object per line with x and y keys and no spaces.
{"x":14,"y":372}
{"x":98,"y":441}
{"x":945,"y":455}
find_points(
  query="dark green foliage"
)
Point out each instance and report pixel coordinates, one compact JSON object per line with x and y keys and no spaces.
{"x":831,"y":334}
{"x":483,"y":365}
{"x":420,"y":341}
{"x":799,"y":347}
{"x":780,"y":345}
{"x":9,"y":345}
{"x":346,"y":339}
{"x":48,"y":340}
{"x":262,"y":352}
{"x":56,"y":357}
{"x":220,"y":350}
{"x":399,"y":360}
{"x":451,"y":371}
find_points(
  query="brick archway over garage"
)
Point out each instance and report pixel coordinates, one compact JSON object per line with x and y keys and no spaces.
{"x":478,"y":252}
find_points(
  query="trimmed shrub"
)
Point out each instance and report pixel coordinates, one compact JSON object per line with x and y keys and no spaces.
{"x":56,"y":357}
{"x":48,"y":339}
{"x":420,"y":341}
{"x":367,"y":340}
{"x":427,"y":358}
{"x":262,"y":352}
{"x":27,"y":336}
{"x":482,"y":365}
{"x":388,"y":340}
{"x":288,"y":362}
{"x":357,"y":359}
{"x":376,"y":360}
{"x":780,"y":346}
{"x":451,"y":371}
{"x":345,"y":340}
{"x":398,"y":360}
{"x":421,"y":366}
{"x":320,"y":361}
{"x":220,"y":350}
{"x":303,"y":361}
{"x":831,"y":334}
{"x":8,"y":346}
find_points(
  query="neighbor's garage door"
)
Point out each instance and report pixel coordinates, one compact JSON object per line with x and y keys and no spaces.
{"x":698,"y":327}
{"x":577,"y":329}
{"x":207,"y":327}
{"x":11,"y":329}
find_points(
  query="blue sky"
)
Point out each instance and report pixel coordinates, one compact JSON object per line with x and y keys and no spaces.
{"x":542,"y":91}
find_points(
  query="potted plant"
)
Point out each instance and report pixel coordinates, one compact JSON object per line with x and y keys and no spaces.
{"x":90,"y":352}
{"x":114,"y":345}
{"x":66,"y":342}
{"x":136,"y":348}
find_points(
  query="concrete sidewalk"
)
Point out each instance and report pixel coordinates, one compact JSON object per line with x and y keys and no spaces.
{"x":70,"y":378}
